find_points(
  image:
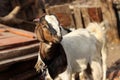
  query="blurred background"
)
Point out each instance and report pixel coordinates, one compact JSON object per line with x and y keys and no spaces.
{"x":19,"y":47}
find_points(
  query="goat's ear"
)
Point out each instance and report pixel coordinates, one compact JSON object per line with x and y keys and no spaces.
{"x":38,"y":33}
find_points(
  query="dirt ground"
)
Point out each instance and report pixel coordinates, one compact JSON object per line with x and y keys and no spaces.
{"x":113,"y":62}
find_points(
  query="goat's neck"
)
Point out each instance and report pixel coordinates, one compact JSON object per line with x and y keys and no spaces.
{"x":64,"y":31}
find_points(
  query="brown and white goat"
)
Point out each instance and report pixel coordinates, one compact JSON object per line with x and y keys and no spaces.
{"x":46,"y":48}
{"x":80,"y":48}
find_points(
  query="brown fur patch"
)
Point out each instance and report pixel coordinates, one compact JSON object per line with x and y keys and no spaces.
{"x":43,"y":34}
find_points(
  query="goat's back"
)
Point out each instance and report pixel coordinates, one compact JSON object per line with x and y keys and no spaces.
{"x":80,"y":48}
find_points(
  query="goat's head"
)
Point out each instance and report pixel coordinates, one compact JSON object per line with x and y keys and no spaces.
{"x":48,"y":29}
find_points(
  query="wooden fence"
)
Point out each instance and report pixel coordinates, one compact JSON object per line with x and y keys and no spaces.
{"x":80,"y":15}
{"x":75,"y":14}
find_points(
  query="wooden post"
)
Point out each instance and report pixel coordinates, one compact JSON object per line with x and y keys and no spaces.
{"x":78,"y":17}
{"x":85,"y":16}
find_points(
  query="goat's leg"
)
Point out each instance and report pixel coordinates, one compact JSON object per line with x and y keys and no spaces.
{"x":37,"y":65}
{"x":96,"y":70}
{"x":73,"y":76}
{"x":67,"y":74}
{"x":82,"y":74}
{"x":47,"y":77}
{"x":104,"y":66}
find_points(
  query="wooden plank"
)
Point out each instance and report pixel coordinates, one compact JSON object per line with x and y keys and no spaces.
{"x":25,"y":75}
{"x":14,"y":41}
{"x":6,"y":35}
{"x":18,"y":59}
{"x":19,"y":51}
{"x":85,"y":16}
{"x":16,"y":31}
{"x":2,"y":30}
{"x":57,"y":2}
{"x":19,"y":69}
{"x":12,"y":37}
{"x":59,"y":8}
{"x":78,"y":17}
{"x":21,"y":32}
{"x":63,"y":13}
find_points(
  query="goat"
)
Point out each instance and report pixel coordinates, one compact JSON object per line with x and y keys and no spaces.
{"x":99,"y":31}
{"x":77,"y":59}
{"x":45,"y":46}
{"x":85,"y":49}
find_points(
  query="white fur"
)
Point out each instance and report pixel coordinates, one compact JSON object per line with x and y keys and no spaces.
{"x":54,"y":22}
{"x":99,"y":31}
{"x":81,"y":48}
{"x":63,"y":31}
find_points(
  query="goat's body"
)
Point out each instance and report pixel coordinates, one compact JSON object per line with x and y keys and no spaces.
{"x":76,"y":48}
{"x":82,"y":48}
